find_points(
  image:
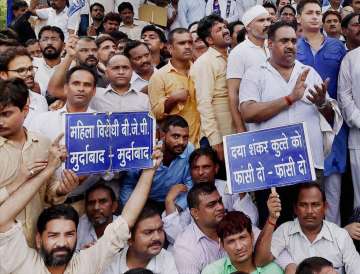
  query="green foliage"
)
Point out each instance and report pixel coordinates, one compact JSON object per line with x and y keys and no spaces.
{"x":2,"y":14}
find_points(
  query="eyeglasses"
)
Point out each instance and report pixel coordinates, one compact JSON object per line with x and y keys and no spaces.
{"x":23,"y":71}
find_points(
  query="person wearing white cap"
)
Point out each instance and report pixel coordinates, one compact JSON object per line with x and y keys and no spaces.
{"x":252,"y":51}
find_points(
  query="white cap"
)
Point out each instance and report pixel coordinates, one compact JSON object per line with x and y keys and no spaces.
{"x":252,"y":13}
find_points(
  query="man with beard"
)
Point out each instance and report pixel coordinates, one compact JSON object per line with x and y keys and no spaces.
{"x":351,"y":30}
{"x":56,"y":229}
{"x":145,"y":248}
{"x":175,"y":167}
{"x":97,"y":15}
{"x":81,"y":51}
{"x":129,"y":25}
{"x":17,"y":63}
{"x":284,"y":91}
{"x":140,"y":59}
{"x":324,"y":54}
{"x":237,"y":238}
{"x":100,"y":205}
{"x":51,"y":41}
{"x":106,"y":49}
{"x":111,"y":22}
{"x":253,"y":51}
{"x":208,"y":73}
{"x":171,"y":90}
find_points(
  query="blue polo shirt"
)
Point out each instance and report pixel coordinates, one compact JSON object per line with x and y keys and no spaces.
{"x":165,"y":177}
{"x":326,"y":61}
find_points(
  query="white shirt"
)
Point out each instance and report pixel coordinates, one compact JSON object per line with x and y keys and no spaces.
{"x":332,"y":243}
{"x":264,"y":83}
{"x":349,"y":95}
{"x":135,"y":3}
{"x":176,"y":23}
{"x":163,"y":263}
{"x":86,"y":232}
{"x":190,"y":11}
{"x":243,"y":56}
{"x":37,"y":105}
{"x":107,"y":100}
{"x":133,"y":32}
{"x":43,"y":74}
{"x":51,"y":18}
{"x":233,"y":11}
{"x":138,"y":83}
{"x":175,"y":223}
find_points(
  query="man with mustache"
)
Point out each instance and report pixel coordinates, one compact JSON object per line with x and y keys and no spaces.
{"x":324,"y":54}
{"x":56,"y":229}
{"x":171,"y":90}
{"x":145,"y":249}
{"x":17,"y":63}
{"x":132,"y":27}
{"x":351,"y":29}
{"x":97,"y":12}
{"x":332,"y":24}
{"x":308,"y":235}
{"x":140,"y":59}
{"x":106,"y":49}
{"x":51,"y":41}
{"x":100,"y":205}
{"x":209,"y":76}
{"x":284,"y":91}
{"x":252,"y":51}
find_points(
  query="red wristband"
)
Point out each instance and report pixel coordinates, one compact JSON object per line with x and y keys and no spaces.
{"x":288,"y":100}
{"x":271,"y":223}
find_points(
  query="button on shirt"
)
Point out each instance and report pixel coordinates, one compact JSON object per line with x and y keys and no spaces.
{"x":52,"y":18}
{"x":193,"y":250}
{"x":243,"y":56}
{"x":43,"y":74}
{"x":264,"y":83}
{"x":209,"y":75}
{"x":332,"y":243}
{"x":163,"y":263}
{"x":165,"y":177}
{"x":18,"y":258}
{"x":326,"y":61}
{"x":162,"y":83}
{"x":349,"y":95}
{"x":107,"y":100}
{"x":37,"y":105}
{"x":190,"y":11}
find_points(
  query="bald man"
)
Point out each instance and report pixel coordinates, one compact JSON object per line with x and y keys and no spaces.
{"x":119,"y":96}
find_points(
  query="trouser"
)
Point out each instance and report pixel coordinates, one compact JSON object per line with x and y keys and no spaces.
{"x":355,"y":173}
{"x":332,"y":187}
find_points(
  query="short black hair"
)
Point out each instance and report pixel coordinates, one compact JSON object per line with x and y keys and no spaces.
{"x":232,"y":26}
{"x":130,"y":45}
{"x":270,"y":5}
{"x":193,"y":23}
{"x":241,"y":36}
{"x":52,"y":29}
{"x":18,"y":4}
{"x":102,"y":38}
{"x":112,"y":16}
{"x":309,"y":185}
{"x":205,"y":25}
{"x":118,"y":36}
{"x":4,"y":41}
{"x":125,"y":6}
{"x":197,"y":190}
{"x":96,"y":4}
{"x":149,"y":210}
{"x":346,"y":21}
{"x":203,"y":151}
{"x":155,"y":29}
{"x":288,"y":7}
{"x":233,"y":222}
{"x":312,"y":265}
{"x":331,"y":12}
{"x":70,"y":72}
{"x":300,"y":6}
{"x":63,"y":211}
{"x":102,"y":186}
{"x":9,"y":33}
{"x":175,"y":121}
{"x":277,"y":25}
{"x":139,"y":271}
{"x":13,"y":92}
{"x":11,"y":54}
{"x":176,"y":31}
{"x":31,"y":42}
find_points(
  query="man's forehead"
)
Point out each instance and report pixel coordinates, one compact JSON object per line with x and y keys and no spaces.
{"x":206,"y":198}
{"x":118,"y":60}
{"x":285,"y":32}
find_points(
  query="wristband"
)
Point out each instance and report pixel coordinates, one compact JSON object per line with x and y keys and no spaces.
{"x":288,"y":100}
{"x":271,"y":223}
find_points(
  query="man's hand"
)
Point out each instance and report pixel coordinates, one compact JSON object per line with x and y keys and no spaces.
{"x":29,"y":171}
{"x":70,"y":46}
{"x":354,"y":230}
{"x":69,"y":182}
{"x":175,"y":191}
{"x":180,"y":95}
{"x":58,"y":104}
{"x":57,"y":153}
{"x":88,"y":245}
{"x":300,"y":86}
{"x":274,"y":206}
{"x":219,"y":148}
{"x":157,"y":155}
{"x":91,"y":31}
{"x":318,"y":97}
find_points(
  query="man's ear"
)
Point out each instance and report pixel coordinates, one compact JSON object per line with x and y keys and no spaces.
{"x":26,"y":107}
{"x":209,"y":41}
{"x":4,"y":75}
{"x":194,"y":213}
{"x":38,"y":241}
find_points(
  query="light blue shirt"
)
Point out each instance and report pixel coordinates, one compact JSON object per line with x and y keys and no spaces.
{"x":165,"y":177}
{"x":190,"y":11}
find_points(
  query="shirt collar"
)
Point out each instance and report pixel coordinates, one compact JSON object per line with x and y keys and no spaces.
{"x":169,"y":67}
{"x":216,"y":53}
{"x":324,"y":232}
{"x":252,"y":45}
{"x":64,"y":110}
{"x":110,"y":89}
